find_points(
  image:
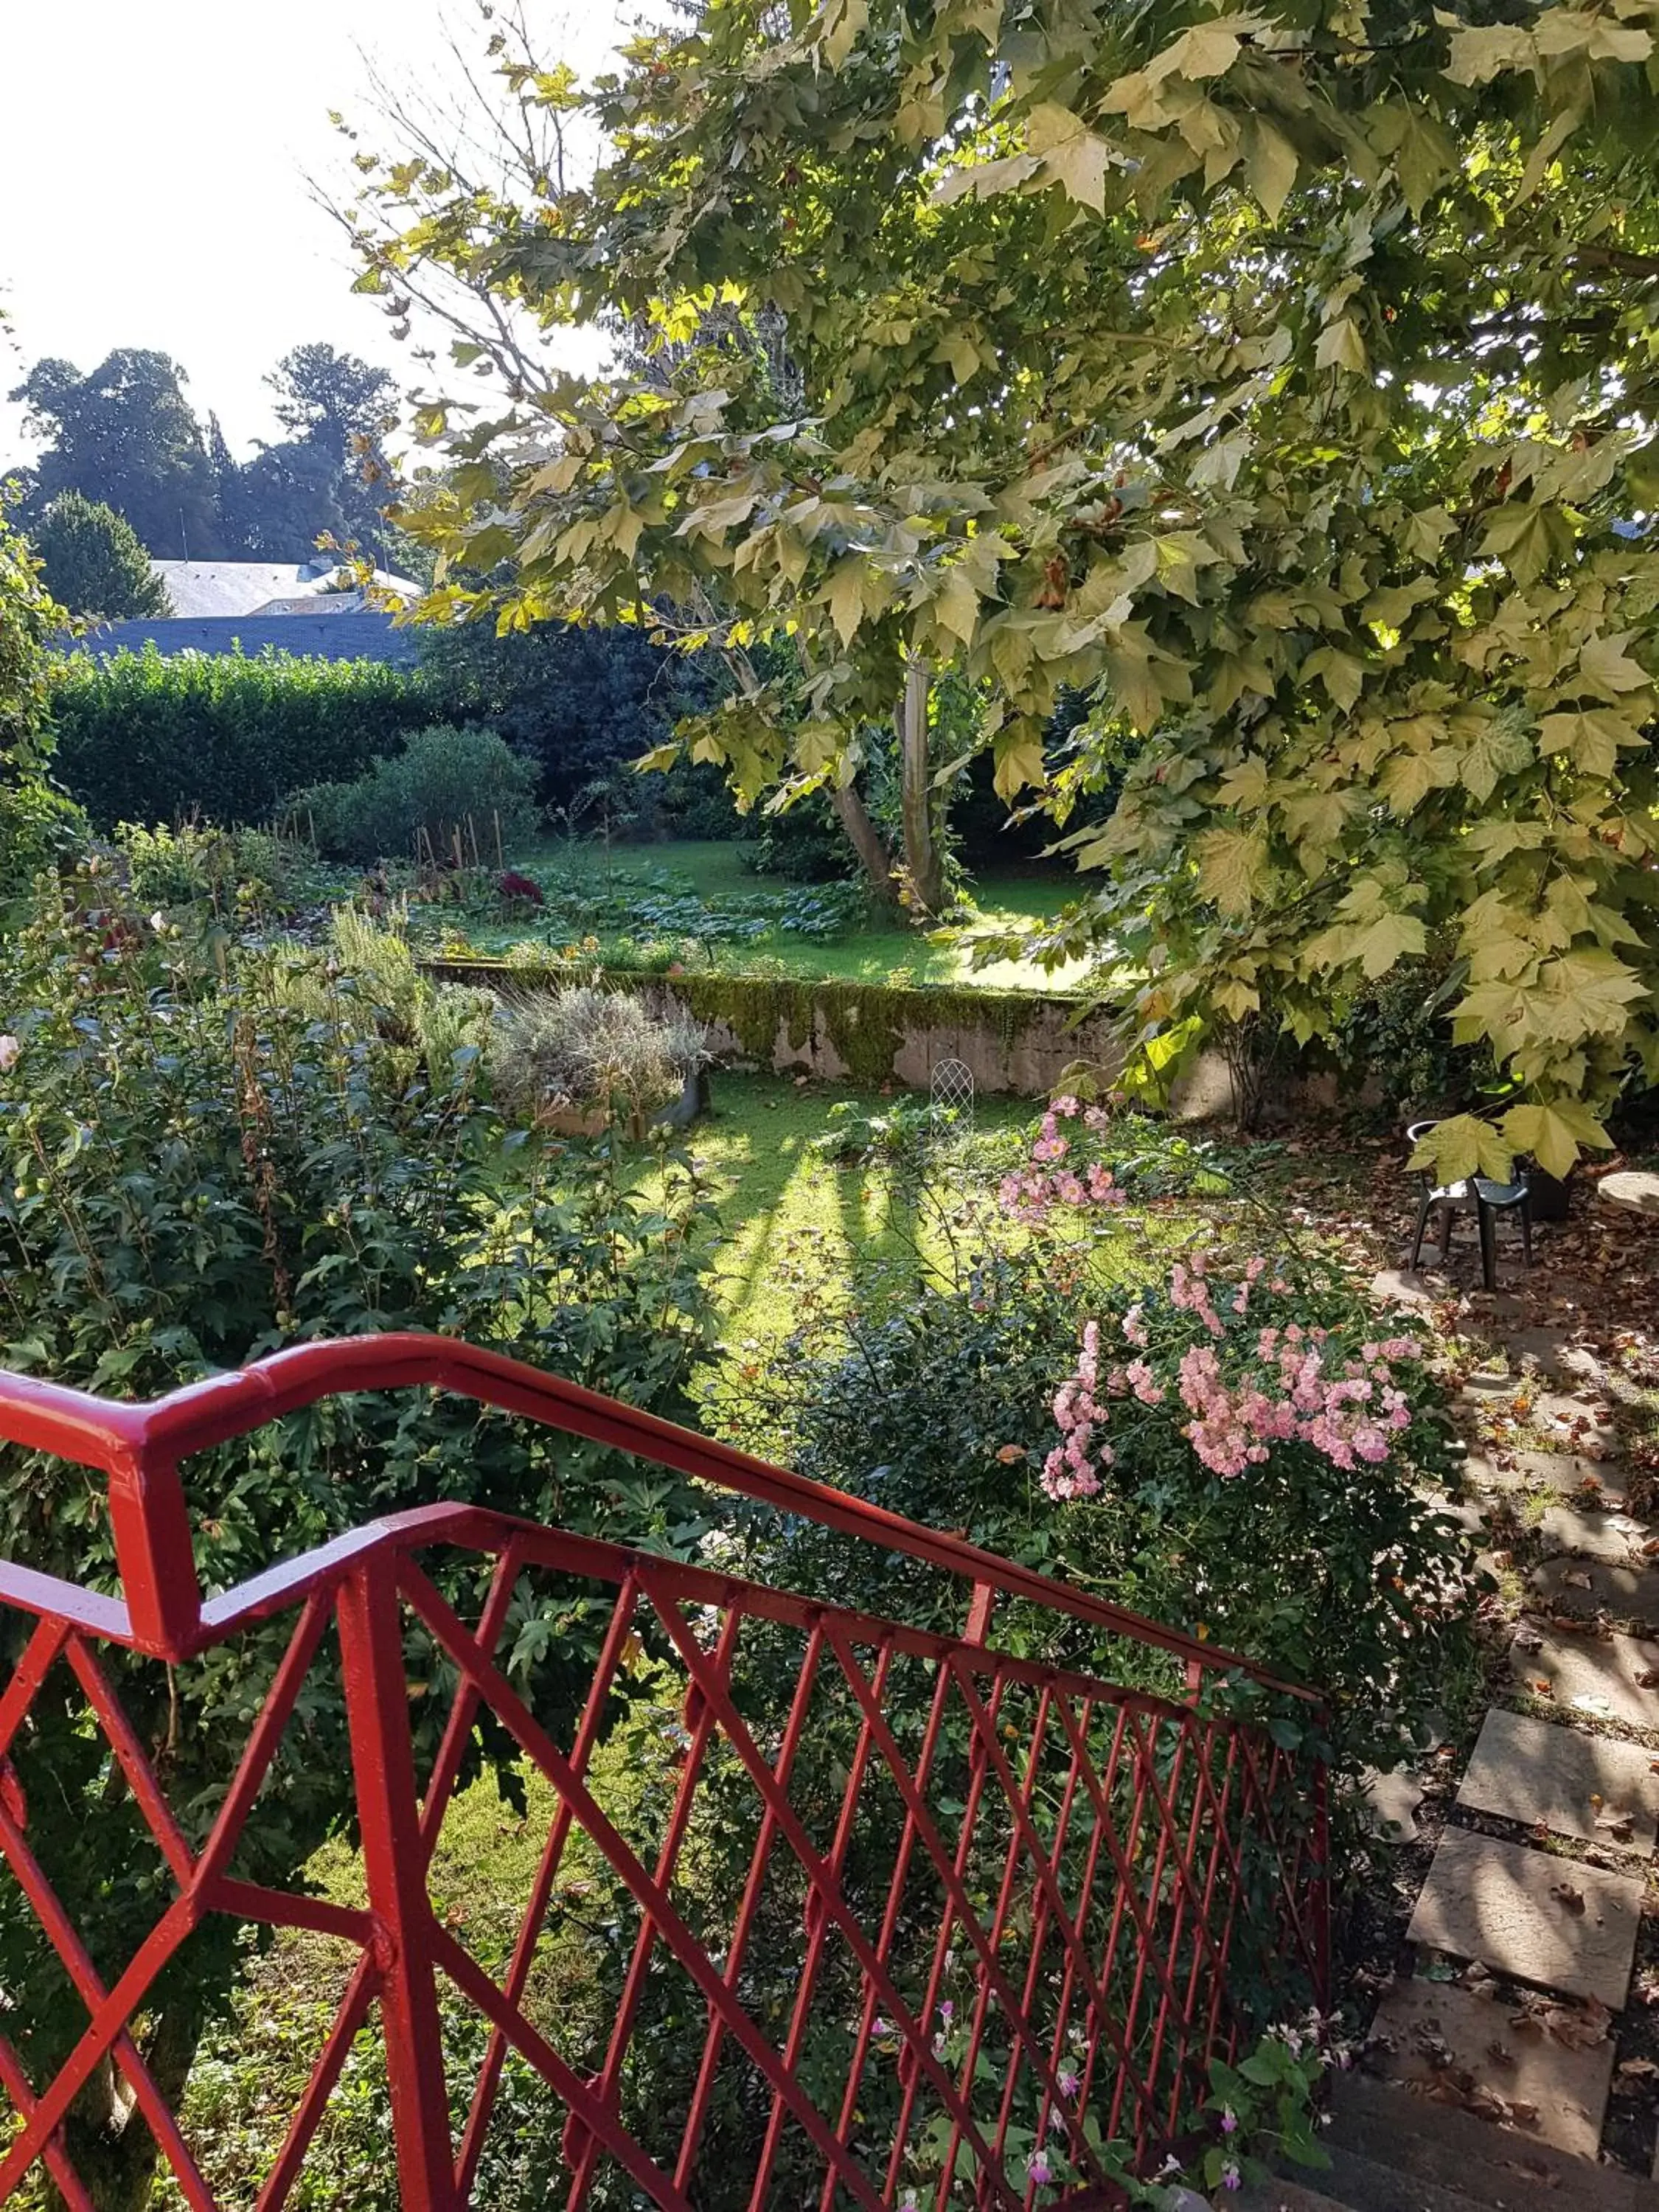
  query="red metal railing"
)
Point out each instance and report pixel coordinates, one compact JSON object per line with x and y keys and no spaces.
{"x":840,"y":1912}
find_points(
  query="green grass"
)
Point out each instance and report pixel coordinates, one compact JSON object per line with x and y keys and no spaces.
{"x":877,"y":951}
{"x":790,"y":1221}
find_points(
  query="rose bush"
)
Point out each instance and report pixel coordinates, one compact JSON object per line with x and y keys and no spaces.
{"x":1124,"y":1390}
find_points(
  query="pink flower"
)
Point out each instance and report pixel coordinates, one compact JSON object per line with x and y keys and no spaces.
{"x":1229,"y":2119}
{"x":1141,"y":1379}
{"x":1230,"y":2177}
{"x":1038,"y":2172}
{"x":1067,"y":1107}
{"x":1070,"y":2081}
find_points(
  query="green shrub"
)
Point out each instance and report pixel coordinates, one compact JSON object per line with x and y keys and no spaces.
{"x":144,"y":739}
{"x":206,"y":1151}
{"x":448,"y":788}
{"x":38,"y":825}
{"x":177,"y":867}
{"x":1395,"y":1047}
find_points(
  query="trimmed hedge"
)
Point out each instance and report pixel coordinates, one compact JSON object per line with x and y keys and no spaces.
{"x":142,"y":738}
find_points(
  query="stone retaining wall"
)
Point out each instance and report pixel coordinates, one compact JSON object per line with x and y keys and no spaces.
{"x":869,"y":1033}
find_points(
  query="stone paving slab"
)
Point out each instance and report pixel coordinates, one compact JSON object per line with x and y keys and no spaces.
{"x":1497,"y":1903}
{"x":1628,"y":1593}
{"x":1391,"y":1803}
{"x":1573,"y":1420}
{"x":1561,"y":1472}
{"x":1614,"y":1537}
{"x":1595,"y":1676}
{"x":1529,"y":1769}
{"x":1424,"y":2030}
{"x":1630,"y":1186}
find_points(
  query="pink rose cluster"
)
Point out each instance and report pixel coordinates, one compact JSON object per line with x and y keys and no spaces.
{"x":1055,"y":1176}
{"x":1293,"y":1384}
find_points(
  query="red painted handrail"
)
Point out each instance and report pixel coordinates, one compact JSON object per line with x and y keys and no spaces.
{"x":1079,"y":1863}
{"x":139,"y":1447}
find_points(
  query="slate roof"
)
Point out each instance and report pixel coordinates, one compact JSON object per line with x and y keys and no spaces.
{"x":311,"y":637}
{"x":250,"y":588}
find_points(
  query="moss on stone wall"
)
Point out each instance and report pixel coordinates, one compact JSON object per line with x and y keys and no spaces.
{"x":866,"y":1024}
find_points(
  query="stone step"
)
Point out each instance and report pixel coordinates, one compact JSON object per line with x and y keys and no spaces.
{"x":1565,"y":1472}
{"x":1390,"y":1803}
{"x":1581,"y":1585}
{"x":1425,"y":2144}
{"x":1577,"y":1784}
{"x":1615,"y":1537}
{"x":1598,"y":1676}
{"x":1285,"y":2196}
{"x":1531,"y":1916}
{"x":1366,"y":2185}
{"x":1435,"y":2032}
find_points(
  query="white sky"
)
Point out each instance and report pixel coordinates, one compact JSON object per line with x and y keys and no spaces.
{"x":153,"y":178}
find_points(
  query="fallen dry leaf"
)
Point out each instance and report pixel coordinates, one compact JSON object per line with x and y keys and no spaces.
{"x":1620,"y":1827}
{"x":1576,"y":1579}
{"x":1630,"y":2074}
{"x":1580,"y":2026}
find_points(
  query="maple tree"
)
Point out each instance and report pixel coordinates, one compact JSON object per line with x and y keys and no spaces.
{"x":1285,"y":379}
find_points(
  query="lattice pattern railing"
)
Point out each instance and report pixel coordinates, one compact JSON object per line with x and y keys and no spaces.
{"x":828,"y":1911}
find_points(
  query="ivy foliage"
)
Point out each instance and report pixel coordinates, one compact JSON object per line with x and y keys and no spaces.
{"x":1284,"y":379}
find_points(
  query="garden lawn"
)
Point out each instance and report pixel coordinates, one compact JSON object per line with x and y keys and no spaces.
{"x":871,"y":950}
{"x":793,"y":1223}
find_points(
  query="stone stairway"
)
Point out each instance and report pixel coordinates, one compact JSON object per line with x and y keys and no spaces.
{"x":1493,"y":2059}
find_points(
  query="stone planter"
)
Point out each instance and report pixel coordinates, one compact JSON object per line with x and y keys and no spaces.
{"x":1551,"y":1195}
{"x":593,"y":1120}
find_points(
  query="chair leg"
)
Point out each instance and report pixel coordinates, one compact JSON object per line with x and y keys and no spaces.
{"x":1488,"y":1243}
{"x":1526,"y":1229}
{"x":1448,"y":1222}
{"x":1423,"y":1207}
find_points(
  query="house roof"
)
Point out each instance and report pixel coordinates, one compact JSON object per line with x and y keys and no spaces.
{"x":353,"y":635}
{"x":210,"y":588}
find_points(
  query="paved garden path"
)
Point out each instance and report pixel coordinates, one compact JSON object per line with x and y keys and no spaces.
{"x":1527,"y":2003}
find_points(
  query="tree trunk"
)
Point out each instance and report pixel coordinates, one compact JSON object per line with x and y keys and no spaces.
{"x":924,"y":862}
{"x":109,"y":2142}
{"x":867,"y":841}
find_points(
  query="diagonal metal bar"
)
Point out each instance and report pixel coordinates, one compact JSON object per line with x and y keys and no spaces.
{"x":55,"y":2158}
{"x":743,"y":1927}
{"x":645,"y":1941}
{"x":1130,"y":1902}
{"x":141,"y":1776}
{"x":895,"y":1892}
{"x":950,"y":1875}
{"x":364,"y":1989}
{"x":511,"y":1709}
{"x":470,"y":1977}
{"x":817,"y":1871}
{"x":106,"y":2031}
{"x":541,"y":1893}
{"x":818,"y":1917}
{"x":31,"y":1670}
